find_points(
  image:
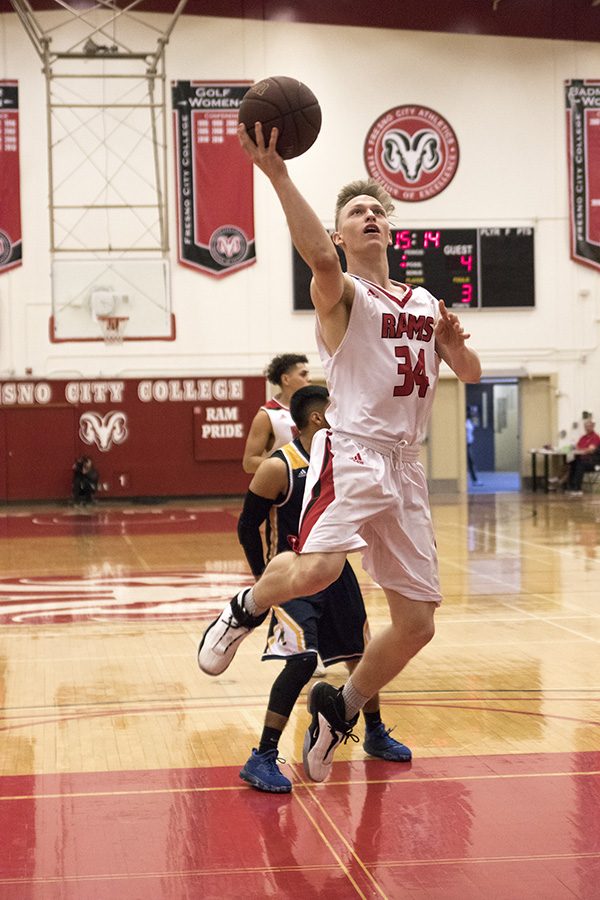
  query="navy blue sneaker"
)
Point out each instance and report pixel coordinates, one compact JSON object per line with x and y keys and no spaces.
{"x":262,"y":772}
{"x":379,"y":743}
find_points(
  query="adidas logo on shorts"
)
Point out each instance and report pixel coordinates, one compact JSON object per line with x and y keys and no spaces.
{"x":358,"y":459}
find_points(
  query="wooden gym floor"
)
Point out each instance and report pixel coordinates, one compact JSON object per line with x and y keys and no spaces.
{"x":119,"y":760}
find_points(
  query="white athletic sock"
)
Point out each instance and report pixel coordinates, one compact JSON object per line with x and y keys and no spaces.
{"x":247,"y":601}
{"x":353,"y":701}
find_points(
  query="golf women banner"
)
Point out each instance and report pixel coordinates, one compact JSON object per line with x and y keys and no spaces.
{"x":215,"y":199}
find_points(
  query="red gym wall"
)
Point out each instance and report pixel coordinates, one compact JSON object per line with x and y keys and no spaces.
{"x":159,"y":437}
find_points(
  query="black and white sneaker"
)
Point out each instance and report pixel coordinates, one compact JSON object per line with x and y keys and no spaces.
{"x":223,"y":636}
{"x":327,"y":730}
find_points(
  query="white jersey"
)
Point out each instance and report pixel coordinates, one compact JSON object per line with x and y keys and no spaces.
{"x":282,"y":424}
{"x":382,"y":377}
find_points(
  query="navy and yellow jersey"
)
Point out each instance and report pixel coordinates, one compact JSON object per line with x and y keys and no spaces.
{"x":285,"y":512}
{"x":332,"y":622}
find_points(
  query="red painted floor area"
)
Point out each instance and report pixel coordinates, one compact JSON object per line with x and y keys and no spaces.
{"x":103,"y":520}
{"x":507,"y":827}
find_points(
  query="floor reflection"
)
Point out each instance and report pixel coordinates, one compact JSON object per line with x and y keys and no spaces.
{"x":119,"y":761}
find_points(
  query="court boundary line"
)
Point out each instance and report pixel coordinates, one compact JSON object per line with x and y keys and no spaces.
{"x":492,"y":776}
{"x":181,"y":873}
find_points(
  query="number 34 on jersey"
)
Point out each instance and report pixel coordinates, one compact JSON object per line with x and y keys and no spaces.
{"x":412,"y":327}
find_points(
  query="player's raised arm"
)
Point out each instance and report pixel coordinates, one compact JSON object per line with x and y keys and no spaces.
{"x":308,"y":234}
{"x":450,"y":343}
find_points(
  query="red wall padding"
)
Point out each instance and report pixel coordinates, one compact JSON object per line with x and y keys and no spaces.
{"x":159,"y":437}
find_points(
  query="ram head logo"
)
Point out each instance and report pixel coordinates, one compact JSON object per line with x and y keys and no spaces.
{"x":411,"y":154}
{"x":103,"y":431}
{"x":229,"y":245}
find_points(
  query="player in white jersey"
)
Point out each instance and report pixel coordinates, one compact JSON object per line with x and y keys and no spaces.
{"x":280,"y":419}
{"x":381,"y":343}
{"x":273,"y":426}
{"x":388,"y":347}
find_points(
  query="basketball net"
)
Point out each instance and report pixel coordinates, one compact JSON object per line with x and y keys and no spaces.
{"x":113,"y":328}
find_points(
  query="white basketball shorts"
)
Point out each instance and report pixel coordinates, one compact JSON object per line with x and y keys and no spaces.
{"x":359,"y":498}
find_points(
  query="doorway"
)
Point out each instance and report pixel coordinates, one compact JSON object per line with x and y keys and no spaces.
{"x":493,"y":406}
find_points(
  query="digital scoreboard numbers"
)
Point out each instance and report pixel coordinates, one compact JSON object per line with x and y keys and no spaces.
{"x":444,"y":262}
{"x":473,"y":268}
{"x":467,"y":267}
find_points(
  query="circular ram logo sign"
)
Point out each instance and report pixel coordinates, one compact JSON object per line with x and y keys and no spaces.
{"x":5,"y":248}
{"x":228,"y":245}
{"x":413,"y":152}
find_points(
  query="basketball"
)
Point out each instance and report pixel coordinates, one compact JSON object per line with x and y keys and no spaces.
{"x":288,"y":105}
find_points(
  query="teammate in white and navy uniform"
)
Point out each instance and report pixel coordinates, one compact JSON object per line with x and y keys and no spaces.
{"x":273,"y":426}
{"x":381,"y":343}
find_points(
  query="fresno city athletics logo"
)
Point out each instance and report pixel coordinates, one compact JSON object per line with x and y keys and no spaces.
{"x":413,"y":152}
{"x":228,"y":245}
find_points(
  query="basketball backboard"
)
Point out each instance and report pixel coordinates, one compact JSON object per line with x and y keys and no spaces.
{"x":84,"y":291}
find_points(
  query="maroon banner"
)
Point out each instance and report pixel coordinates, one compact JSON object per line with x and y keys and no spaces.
{"x":215,"y":200}
{"x":10,"y":188}
{"x":583,"y":145}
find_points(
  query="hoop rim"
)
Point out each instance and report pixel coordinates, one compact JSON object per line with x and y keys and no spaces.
{"x":113,"y":328}
{"x":113,"y":318}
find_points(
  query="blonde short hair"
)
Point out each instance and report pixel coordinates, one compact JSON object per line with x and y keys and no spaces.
{"x":356,"y":189}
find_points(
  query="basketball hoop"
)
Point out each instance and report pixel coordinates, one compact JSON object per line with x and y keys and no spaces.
{"x":113,"y":328}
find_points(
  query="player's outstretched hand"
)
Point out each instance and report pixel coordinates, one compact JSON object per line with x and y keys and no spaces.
{"x":265,"y":156}
{"x":449,"y":332}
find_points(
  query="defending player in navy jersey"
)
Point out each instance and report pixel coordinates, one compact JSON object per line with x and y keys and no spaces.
{"x":333,"y":622}
{"x":380,"y":343}
{"x":273,"y":426}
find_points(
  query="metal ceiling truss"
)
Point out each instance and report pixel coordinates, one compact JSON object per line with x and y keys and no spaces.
{"x":106,"y":124}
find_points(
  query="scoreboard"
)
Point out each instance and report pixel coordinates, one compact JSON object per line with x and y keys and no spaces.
{"x":473,"y":268}
{"x":467,"y":267}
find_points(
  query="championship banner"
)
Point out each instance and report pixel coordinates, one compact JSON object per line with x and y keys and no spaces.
{"x":215,"y":199}
{"x":10,"y":188}
{"x":583,"y":140}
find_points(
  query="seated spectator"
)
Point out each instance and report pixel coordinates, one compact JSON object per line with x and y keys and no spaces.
{"x":586,"y":457}
{"x":85,"y":480}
